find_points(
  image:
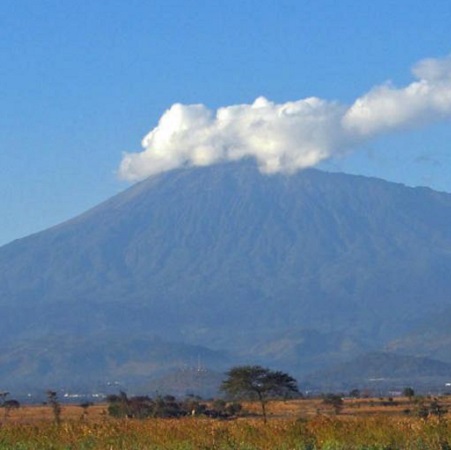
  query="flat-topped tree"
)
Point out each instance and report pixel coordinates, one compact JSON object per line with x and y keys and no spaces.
{"x":258,"y":383}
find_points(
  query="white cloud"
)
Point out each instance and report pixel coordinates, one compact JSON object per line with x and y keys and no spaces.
{"x":385,"y":108}
{"x":290,"y":136}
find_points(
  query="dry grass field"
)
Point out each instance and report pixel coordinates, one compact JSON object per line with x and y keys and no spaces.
{"x":362,"y":424}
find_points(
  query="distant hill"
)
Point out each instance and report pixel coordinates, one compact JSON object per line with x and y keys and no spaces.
{"x":431,"y":337}
{"x":185,"y":382}
{"x":383,"y":371}
{"x":295,"y":272}
{"x":95,"y":363}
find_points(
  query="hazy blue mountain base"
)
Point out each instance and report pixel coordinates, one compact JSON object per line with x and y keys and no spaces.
{"x":209,"y":267}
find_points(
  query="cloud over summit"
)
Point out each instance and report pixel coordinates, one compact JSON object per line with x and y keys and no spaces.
{"x":290,"y":136}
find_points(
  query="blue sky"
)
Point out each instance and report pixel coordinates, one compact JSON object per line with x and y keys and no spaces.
{"x":83,"y":82}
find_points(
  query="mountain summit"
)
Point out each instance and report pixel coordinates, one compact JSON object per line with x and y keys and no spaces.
{"x":296,"y":272}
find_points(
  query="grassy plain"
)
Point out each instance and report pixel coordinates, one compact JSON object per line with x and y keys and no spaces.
{"x":363,"y":424}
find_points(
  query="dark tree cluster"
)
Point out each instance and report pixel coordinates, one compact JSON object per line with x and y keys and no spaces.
{"x":241,"y":383}
{"x":143,"y":407}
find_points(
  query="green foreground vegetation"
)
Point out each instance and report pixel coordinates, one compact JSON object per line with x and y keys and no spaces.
{"x":319,"y":433}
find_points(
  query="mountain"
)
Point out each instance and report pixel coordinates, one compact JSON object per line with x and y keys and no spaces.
{"x":296,"y":272}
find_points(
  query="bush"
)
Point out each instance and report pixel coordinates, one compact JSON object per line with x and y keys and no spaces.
{"x":335,"y":401}
{"x":233,"y":409}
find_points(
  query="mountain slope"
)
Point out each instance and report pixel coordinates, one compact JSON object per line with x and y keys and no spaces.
{"x":431,"y":337}
{"x":90,"y":363}
{"x":383,"y":371}
{"x":227,"y":258}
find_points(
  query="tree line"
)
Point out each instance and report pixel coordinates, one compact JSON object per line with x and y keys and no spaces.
{"x":247,"y":382}
{"x":241,"y":383}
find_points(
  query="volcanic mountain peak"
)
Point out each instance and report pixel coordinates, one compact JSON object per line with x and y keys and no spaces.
{"x":227,"y":258}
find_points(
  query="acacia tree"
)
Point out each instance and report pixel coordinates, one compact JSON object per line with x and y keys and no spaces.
{"x":256,"y":382}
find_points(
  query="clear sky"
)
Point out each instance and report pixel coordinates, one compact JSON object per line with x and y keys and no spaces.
{"x":82,"y":82}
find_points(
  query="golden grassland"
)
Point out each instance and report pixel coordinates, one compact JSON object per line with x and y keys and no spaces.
{"x":363,"y":424}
